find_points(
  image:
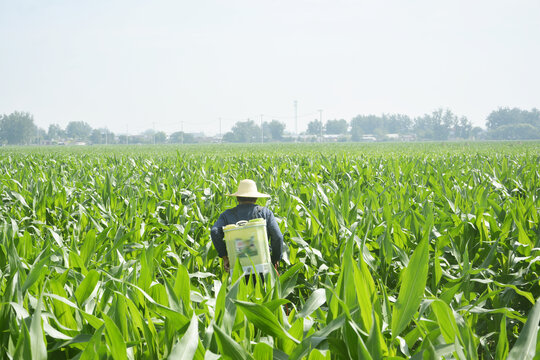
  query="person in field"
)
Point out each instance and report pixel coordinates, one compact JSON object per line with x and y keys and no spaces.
{"x":247,"y":209}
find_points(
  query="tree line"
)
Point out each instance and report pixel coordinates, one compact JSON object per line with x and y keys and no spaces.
{"x":18,"y":128}
{"x":440,"y":125}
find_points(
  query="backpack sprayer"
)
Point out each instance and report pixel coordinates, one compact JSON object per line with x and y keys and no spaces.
{"x":247,"y":241}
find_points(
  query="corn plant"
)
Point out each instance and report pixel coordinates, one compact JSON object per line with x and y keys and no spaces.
{"x":395,"y":251}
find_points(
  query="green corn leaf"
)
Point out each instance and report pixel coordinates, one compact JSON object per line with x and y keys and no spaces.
{"x":365,"y":293}
{"x":502,"y":343}
{"x":114,"y":339}
{"x":174,"y":303}
{"x":88,"y":246}
{"x":315,"y":301}
{"x":36,"y":272}
{"x":273,"y":305}
{"x":316,"y":338}
{"x":86,"y":287}
{"x":413,"y":284}
{"x":229,"y":347}
{"x":182,"y":288}
{"x":297,"y":331}
{"x":264,"y":320}
{"x":20,"y":198}
{"x":92,"y":348}
{"x":37,"y":339}
{"x":263,"y":351}
{"x":57,"y":238}
{"x":446,"y":320}
{"x":525,"y":346}
{"x":23,"y":347}
{"x":229,"y":315}
{"x":187,"y":346}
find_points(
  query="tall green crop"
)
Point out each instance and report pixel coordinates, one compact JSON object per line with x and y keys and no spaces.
{"x":394,"y":251}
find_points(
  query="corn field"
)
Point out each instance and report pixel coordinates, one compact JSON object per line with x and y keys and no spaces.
{"x":395,"y":251}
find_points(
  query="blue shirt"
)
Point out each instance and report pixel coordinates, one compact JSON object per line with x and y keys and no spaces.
{"x":248,"y":212}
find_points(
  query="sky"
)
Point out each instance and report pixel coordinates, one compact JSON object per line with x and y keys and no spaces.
{"x":135,"y":65}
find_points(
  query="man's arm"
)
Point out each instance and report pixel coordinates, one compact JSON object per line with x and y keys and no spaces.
{"x":217,"y":235}
{"x":276,"y":237}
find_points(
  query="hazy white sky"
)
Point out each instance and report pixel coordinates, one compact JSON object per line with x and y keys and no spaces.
{"x":135,"y":63}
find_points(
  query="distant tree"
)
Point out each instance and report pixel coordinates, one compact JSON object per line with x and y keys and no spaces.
{"x":502,"y":116}
{"x":101,"y":136}
{"x":110,"y":138}
{"x":396,"y":123}
{"x":55,"y":132}
{"x":314,"y":127}
{"x":17,"y":128}
{"x":477,"y":133}
{"x":463,"y":128}
{"x":365,"y":124}
{"x":122,"y":139}
{"x":436,"y":126}
{"x":507,"y":116}
{"x":336,"y":127}
{"x":521,"y":131}
{"x":78,"y":130}
{"x":96,"y":137}
{"x":160,"y":137}
{"x":180,"y":137}
{"x":506,"y":123}
{"x":229,"y":137}
{"x":275,"y":129}
{"x":147,"y":136}
{"x":380,"y":125}
{"x":244,"y":131}
{"x":356,"y":133}
{"x":41,"y":135}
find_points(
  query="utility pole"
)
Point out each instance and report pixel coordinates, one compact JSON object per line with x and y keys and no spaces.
{"x":320,"y":119}
{"x":296,"y":120}
{"x":262,"y":130}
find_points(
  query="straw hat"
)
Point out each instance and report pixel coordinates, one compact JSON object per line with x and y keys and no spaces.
{"x":248,"y":188}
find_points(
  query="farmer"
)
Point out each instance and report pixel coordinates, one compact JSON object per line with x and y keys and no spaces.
{"x":246,"y":209}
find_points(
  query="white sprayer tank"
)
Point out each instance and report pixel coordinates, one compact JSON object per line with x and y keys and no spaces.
{"x":247,"y":241}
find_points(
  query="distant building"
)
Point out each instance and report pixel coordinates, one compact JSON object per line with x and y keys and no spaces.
{"x":331,"y":138}
{"x":368,"y":137}
{"x":411,"y":137}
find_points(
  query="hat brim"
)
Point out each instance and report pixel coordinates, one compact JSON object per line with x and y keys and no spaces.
{"x":249,"y":195}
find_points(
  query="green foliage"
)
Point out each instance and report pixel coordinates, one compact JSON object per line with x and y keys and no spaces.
{"x":336,"y":127}
{"x":384,"y":124}
{"x":244,"y":131}
{"x":273,"y":130}
{"x":78,"y":130}
{"x":512,"y":124}
{"x":314,"y":128}
{"x":396,"y":251}
{"x":17,"y":128}
{"x":180,"y":137}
